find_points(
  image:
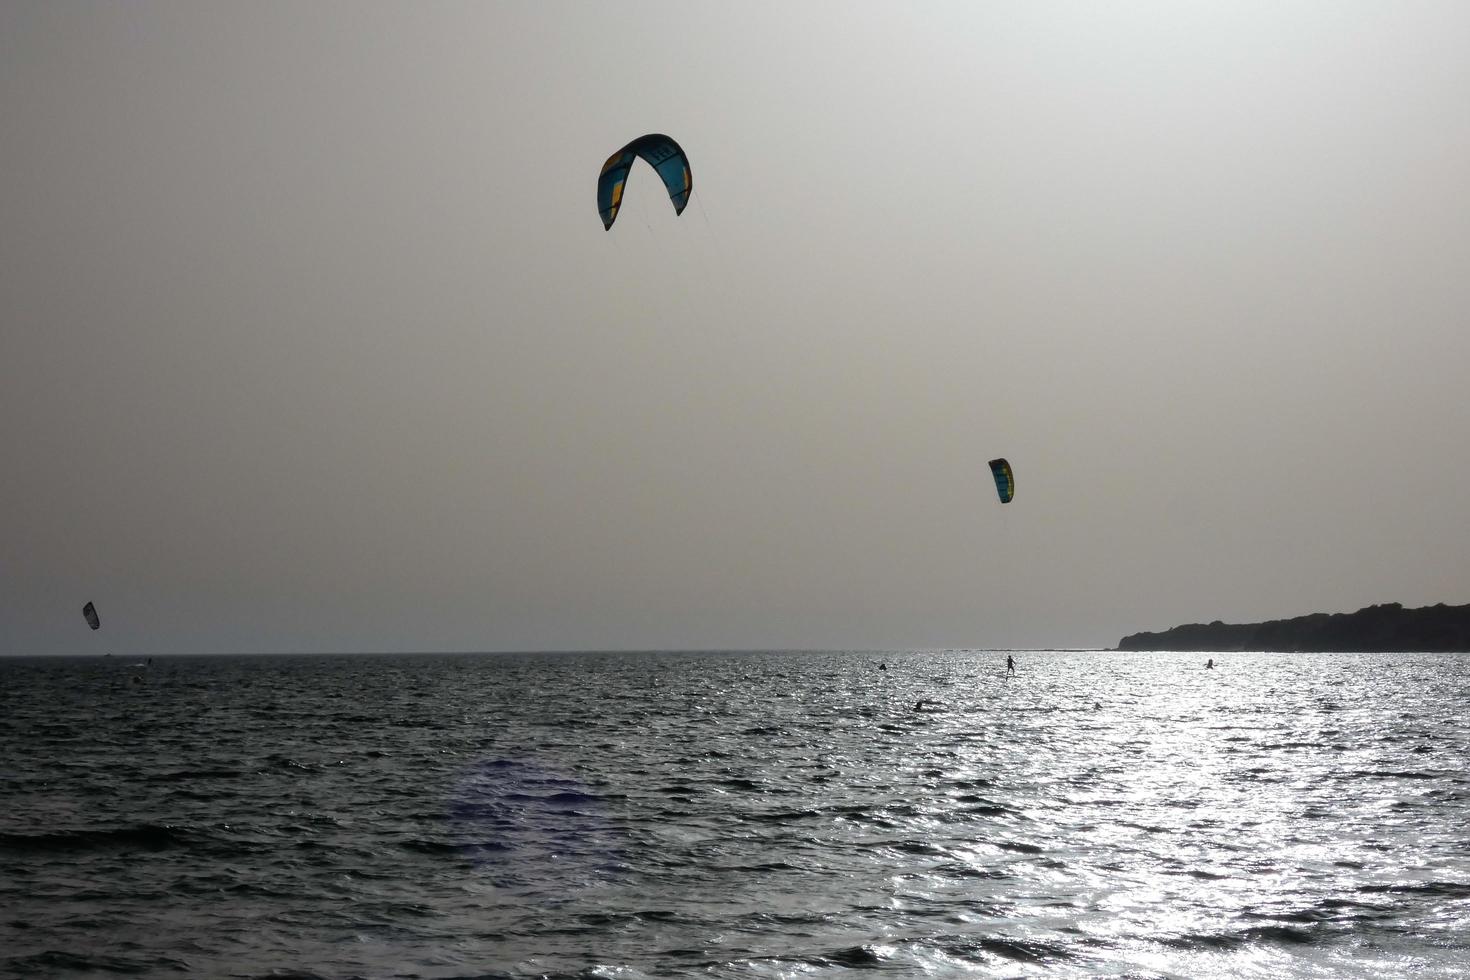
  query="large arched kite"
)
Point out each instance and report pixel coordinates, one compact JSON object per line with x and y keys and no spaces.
{"x":663,"y":155}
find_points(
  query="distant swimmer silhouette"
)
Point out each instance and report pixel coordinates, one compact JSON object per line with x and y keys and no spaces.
{"x":1210,"y":664}
{"x":919,"y":705}
{"x":882,"y":666}
{"x":1010,"y":664}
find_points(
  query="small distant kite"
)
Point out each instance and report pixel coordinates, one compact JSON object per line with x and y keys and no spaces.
{"x":663,"y":155}
{"x":1005,"y":480}
{"x":89,"y":612}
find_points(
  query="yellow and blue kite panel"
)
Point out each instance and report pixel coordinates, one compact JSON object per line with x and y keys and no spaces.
{"x":1005,"y":480}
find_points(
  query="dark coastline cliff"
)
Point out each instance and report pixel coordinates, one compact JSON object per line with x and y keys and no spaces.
{"x":1389,"y":627}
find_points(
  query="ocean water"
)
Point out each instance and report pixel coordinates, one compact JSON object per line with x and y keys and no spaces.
{"x":774,"y":814}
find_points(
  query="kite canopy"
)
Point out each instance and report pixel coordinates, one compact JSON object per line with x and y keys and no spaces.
{"x":663,"y":155}
{"x":1005,"y":480}
{"x":89,"y":612}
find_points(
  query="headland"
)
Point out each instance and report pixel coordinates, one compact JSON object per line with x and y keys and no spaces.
{"x":1388,"y":627}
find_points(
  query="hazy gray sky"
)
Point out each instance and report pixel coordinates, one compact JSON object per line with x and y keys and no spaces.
{"x":311,"y":337}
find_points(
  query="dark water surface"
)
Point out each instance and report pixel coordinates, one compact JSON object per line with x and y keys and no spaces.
{"x":736,"y":815}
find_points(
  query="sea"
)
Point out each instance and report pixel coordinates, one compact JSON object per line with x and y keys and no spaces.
{"x":736,"y":814}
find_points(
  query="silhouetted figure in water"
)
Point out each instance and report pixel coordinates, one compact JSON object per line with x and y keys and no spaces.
{"x":1210,"y":664}
{"x":919,"y":705}
{"x":1010,"y":664}
{"x":882,"y":666}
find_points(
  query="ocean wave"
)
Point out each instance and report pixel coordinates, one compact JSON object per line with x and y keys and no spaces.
{"x":147,"y":837}
{"x":1281,"y":935}
{"x":193,"y":775}
{"x":70,"y":962}
{"x":985,"y":949}
{"x":1434,"y":889}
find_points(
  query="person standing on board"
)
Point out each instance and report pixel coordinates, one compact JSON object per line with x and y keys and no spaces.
{"x":1010,"y":664}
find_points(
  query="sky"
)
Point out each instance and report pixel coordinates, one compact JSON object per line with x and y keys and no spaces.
{"x":311,"y":338}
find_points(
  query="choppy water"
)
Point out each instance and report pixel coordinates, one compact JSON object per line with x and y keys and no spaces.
{"x":736,"y":815}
